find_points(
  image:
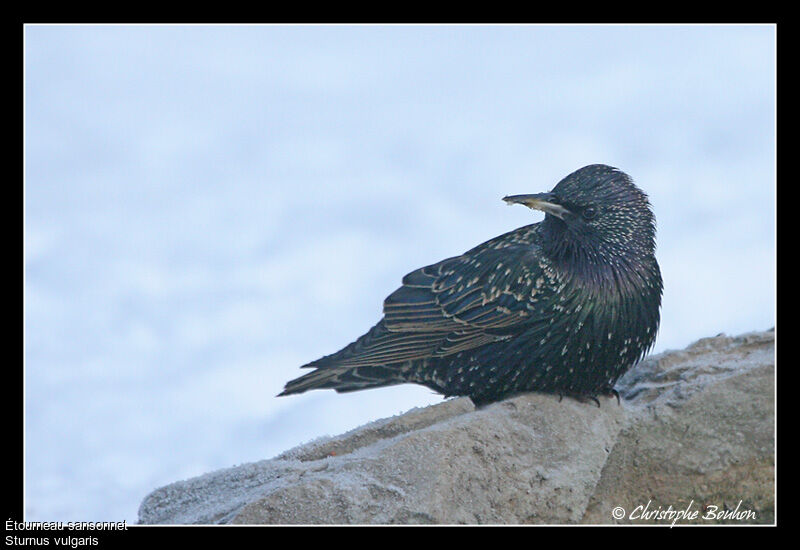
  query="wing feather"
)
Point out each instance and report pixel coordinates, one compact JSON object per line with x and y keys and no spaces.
{"x":452,"y":306}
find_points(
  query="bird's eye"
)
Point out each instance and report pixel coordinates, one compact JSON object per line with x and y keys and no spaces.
{"x":589,"y":212}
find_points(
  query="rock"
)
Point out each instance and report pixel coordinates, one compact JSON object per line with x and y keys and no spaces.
{"x":700,"y":433}
{"x":696,"y":428}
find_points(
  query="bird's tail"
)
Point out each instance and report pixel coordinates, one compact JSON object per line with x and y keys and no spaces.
{"x":345,"y":379}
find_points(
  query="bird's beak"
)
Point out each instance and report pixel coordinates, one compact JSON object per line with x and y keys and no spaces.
{"x":539,"y":201}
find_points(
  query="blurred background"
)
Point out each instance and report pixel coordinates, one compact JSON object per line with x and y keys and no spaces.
{"x":209,"y":207}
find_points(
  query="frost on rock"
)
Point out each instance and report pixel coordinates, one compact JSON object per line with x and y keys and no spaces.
{"x":695,"y":425}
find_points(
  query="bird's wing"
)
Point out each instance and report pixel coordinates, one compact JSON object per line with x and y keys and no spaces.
{"x":476,"y":298}
{"x":487,"y":294}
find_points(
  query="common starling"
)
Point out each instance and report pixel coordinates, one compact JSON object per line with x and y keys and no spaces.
{"x":564,"y":306}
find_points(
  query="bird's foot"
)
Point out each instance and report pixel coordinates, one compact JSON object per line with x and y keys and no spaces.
{"x":585,"y":398}
{"x":611,"y":392}
{"x":581,"y":398}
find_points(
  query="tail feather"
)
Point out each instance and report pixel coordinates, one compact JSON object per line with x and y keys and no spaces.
{"x":345,"y":379}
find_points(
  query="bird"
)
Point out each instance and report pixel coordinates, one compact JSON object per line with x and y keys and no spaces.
{"x":564,"y":306}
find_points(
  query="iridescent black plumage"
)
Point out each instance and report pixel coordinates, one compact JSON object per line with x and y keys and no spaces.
{"x":563,"y":306}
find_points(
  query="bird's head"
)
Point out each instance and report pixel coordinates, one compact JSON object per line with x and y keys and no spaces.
{"x":597,"y":215}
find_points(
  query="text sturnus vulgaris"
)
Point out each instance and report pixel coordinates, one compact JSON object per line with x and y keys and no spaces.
{"x":563,"y":306}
